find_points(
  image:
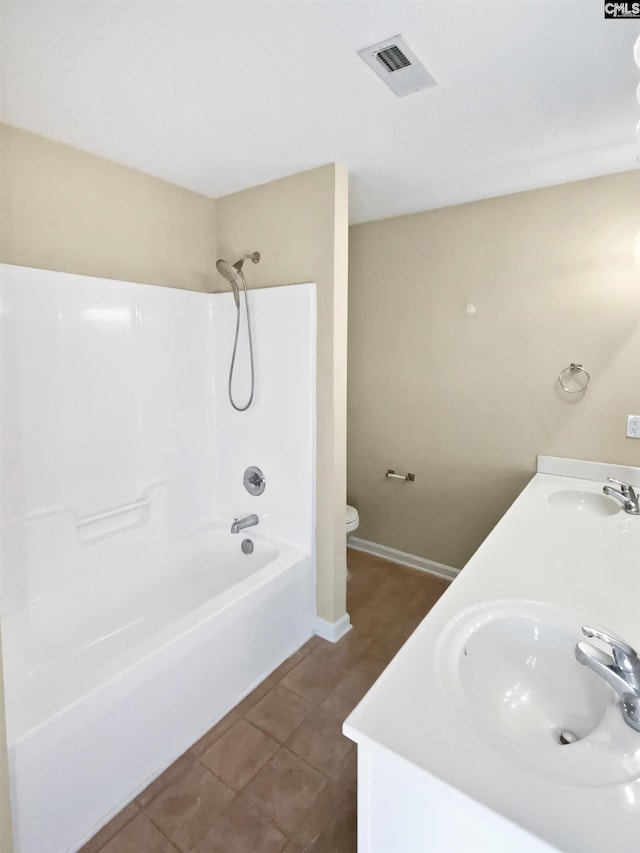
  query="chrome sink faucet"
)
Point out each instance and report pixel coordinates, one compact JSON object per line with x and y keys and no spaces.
{"x":622,"y":671}
{"x":626,"y":495}
{"x":240,"y":523}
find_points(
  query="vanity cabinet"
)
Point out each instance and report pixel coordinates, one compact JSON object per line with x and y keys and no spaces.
{"x":462,"y":741}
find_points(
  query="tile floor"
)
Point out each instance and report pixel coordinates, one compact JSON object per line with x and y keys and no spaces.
{"x":276,"y":775}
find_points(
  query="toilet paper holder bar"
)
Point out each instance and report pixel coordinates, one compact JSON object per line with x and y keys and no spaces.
{"x":392,"y":475}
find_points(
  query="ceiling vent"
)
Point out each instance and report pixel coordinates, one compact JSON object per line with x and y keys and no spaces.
{"x":396,"y":64}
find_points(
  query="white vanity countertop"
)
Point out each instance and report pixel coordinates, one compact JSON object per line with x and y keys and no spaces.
{"x":561,"y":554}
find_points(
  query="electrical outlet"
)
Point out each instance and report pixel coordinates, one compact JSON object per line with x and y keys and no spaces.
{"x":633,"y":426}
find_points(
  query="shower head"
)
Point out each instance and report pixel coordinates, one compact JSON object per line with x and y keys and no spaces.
{"x":227,"y":270}
{"x":233,"y":271}
{"x":254,"y":256}
{"x":230,"y":272}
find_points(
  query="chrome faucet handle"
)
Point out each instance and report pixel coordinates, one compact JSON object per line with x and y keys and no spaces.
{"x":625,"y":656}
{"x":625,"y":488}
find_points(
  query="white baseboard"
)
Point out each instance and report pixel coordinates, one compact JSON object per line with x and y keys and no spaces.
{"x":403,"y":558}
{"x":333,"y":631}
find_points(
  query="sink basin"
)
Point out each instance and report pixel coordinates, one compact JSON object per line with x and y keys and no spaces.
{"x":510,"y":669}
{"x":586,"y":503}
{"x":521,"y":676}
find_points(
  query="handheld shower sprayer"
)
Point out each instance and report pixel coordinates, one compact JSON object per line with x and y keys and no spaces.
{"x":229,"y":272}
{"x":234,"y":275}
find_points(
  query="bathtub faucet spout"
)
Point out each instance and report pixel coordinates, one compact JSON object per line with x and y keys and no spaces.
{"x":240,"y":523}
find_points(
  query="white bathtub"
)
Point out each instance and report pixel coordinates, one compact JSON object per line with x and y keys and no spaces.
{"x":101,"y":698}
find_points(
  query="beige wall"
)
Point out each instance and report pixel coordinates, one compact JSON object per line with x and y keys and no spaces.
{"x":466,"y":401}
{"x":63,"y":209}
{"x":299,"y":224}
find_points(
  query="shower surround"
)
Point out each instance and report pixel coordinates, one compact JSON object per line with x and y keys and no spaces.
{"x":131,"y":619}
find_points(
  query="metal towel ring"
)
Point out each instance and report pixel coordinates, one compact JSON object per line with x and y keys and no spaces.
{"x":574,"y":368}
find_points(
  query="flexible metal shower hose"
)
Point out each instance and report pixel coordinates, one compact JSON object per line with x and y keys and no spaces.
{"x":235,"y":348}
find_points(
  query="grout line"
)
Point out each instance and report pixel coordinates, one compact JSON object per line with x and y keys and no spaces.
{"x":223,"y":812}
{"x":293,"y":730}
{"x":308,"y":763}
{"x":143,"y":807}
{"x":270,"y":819}
{"x":196,"y":759}
{"x":111,"y":837}
{"x":286,"y":832}
{"x":289,"y":834}
{"x":236,"y":791}
{"x":161,"y":831}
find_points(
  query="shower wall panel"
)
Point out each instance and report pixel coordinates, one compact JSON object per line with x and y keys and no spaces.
{"x":277,"y":432}
{"x":107,"y":413}
{"x":116,"y":427}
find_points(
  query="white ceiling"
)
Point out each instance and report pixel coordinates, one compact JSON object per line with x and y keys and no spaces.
{"x":218,"y":96}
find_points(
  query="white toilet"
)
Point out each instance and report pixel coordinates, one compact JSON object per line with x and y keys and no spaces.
{"x":353,"y":519}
